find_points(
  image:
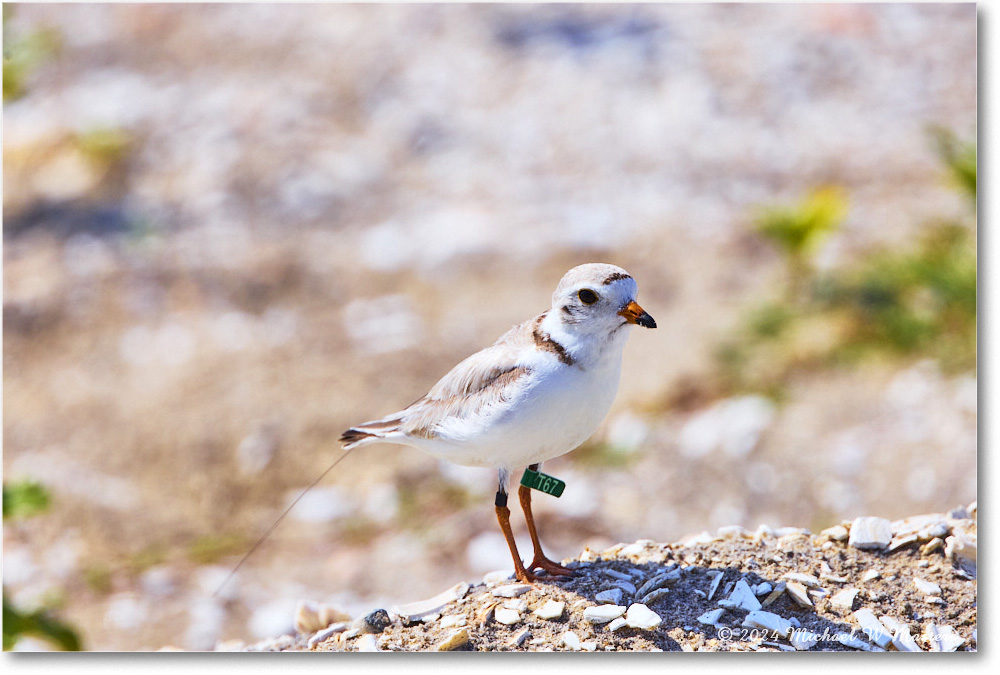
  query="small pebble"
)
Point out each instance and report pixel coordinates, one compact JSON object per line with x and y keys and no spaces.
{"x":870,"y":575}
{"x":803,"y":640}
{"x":870,"y":533}
{"x":872,"y":628}
{"x":900,"y":542}
{"x":611,"y":596}
{"x":552,"y":609}
{"x":626,"y":587}
{"x":901,"y":638}
{"x":711,"y":617}
{"x":520,"y":638}
{"x":775,"y":594}
{"x":570,"y":639}
{"x":942,"y":638}
{"x":741,"y":597}
{"x":854,"y":642}
{"x":451,"y":621}
{"x":837,"y":533}
{"x":620,"y":576}
{"x":367,"y":643}
{"x":602,"y":613}
{"x":804,"y":579}
{"x":799,"y":593}
{"x":716,"y":577}
{"x":456,"y":640}
{"x":844,"y":599}
{"x":507,"y":617}
{"x":926,"y":587}
{"x":327,"y":632}
{"x":653,"y":596}
{"x":496,"y":577}
{"x":511,"y":590}
{"x":640,"y":616}
{"x":375,"y":622}
{"x":768,"y":621}
{"x":932,"y":546}
{"x":617,"y":623}
{"x":517,"y":604}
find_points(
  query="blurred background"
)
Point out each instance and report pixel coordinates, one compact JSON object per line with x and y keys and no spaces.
{"x":229,"y":232}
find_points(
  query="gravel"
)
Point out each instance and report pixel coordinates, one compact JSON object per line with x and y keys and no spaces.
{"x":567,"y":614}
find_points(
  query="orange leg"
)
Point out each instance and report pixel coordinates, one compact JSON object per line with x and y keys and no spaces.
{"x":503,"y":515}
{"x":550,"y":566}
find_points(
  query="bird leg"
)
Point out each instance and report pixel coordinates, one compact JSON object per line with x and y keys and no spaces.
{"x":550,"y":566}
{"x":503,"y":515}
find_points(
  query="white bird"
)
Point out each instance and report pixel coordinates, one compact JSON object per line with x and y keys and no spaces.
{"x":537,"y":393}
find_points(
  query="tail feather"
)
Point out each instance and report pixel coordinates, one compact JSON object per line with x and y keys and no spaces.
{"x":363,"y":432}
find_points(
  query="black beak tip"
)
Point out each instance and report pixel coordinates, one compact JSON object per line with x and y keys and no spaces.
{"x":646,"y":320}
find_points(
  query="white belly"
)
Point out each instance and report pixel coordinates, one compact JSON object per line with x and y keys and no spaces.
{"x":557,"y":412}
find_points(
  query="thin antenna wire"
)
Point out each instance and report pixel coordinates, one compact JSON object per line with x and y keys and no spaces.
{"x":278,"y":522}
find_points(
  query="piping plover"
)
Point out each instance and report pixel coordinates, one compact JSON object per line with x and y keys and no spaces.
{"x":536,"y":393}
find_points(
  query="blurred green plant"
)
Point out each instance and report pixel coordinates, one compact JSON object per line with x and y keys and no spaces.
{"x":210,"y":549}
{"x":960,"y":157}
{"x":22,"y":54}
{"x":104,"y":146}
{"x":23,"y":500}
{"x":599,"y":455}
{"x":799,"y":229}
{"x":425,"y":496}
{"x":919,"y":302}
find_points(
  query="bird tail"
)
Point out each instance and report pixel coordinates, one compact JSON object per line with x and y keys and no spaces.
{"x":369,"y":432}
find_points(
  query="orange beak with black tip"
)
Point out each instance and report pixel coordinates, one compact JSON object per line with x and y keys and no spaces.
{"x":633,"y":313}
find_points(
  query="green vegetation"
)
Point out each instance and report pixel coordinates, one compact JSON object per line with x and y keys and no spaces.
{"x":603,"y":455}
{"x":22,"y":55}
{"x":800,"y":229}
{"x":210,"y":549}
{"x":104,"y":146}
{"x":914,"y":302}
{"x":23,"y":500}
{"x":960,"y":157}
{"x":422,"y":498}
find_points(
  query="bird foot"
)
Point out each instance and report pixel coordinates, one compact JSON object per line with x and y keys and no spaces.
{"x":550,"y":566}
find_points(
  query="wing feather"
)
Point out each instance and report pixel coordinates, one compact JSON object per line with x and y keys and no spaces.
{"x":473,"y":387}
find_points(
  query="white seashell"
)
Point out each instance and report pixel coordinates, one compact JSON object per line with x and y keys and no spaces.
{"x":711,"y":617}
{"x":570,"y":639}
{"x":552,"y":609}
{"x":742,"y":597}
{"x":926,"y":587}
{"x":603,"y":613}
{"x":506,"y":616}
{"x":510,"y":590}
{"x":942,"y":638}
{"x":872,"y":627}
{"x":845,"y":598}
{"x":415,"y":611}
{"x":640,"y":616}
{"x":768,"y":621}
{"x":799,"y":593}
{"x":870,"y":533}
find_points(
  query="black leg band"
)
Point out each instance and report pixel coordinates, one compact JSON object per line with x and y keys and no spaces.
{"x":501,"y":500}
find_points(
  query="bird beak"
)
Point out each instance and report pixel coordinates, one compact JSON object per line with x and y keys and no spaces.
{"x":633,"y":313}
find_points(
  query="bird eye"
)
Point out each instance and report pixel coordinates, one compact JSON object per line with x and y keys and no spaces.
{"x":587,"y":296}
